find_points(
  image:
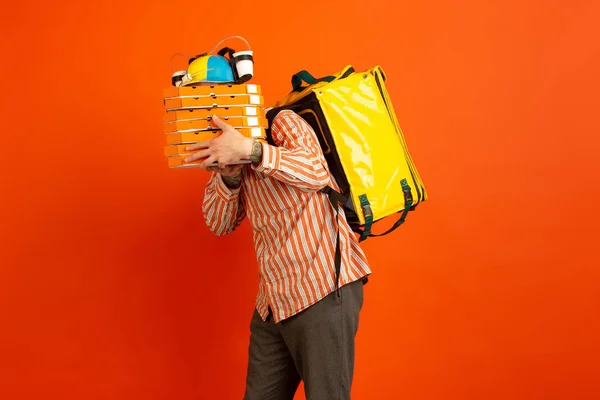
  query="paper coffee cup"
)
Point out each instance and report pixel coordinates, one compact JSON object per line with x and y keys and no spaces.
{"x":177,"y":78}
{"x":244,"y":63}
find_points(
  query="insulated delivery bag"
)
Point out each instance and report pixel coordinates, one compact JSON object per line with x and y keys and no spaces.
{"x":353,"y":117}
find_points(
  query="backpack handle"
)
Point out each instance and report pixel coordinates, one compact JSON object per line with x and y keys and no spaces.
{"x":305,"y":76}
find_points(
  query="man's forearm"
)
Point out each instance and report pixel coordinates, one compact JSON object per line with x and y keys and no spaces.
{"x":223,"y":211}
{"x":299,"y":166}
{"x":255,"y":157}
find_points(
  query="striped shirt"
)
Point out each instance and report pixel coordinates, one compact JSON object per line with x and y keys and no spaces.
{"x":294,"y":224}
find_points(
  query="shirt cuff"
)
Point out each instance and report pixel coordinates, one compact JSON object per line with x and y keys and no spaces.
{"x":224,"y":192}
{"x":271,"y":159}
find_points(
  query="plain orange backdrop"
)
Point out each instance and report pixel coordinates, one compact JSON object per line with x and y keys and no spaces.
{"x":111,"y":287}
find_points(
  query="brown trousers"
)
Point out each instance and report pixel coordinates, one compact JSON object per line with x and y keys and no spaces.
{"x":315,"y":346}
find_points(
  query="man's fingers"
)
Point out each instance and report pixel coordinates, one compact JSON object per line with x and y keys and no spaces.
{"x":199,"y":145}
{"x":214,"y":169}
{"x":222,"y":165}
{"x":220,"y":123}
{"x":209,"y":161}
{"x":198,"y":155}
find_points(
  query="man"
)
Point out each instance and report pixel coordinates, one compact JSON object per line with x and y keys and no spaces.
{"x":304,"y":324}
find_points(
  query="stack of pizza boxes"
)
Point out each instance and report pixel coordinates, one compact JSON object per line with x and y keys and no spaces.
{"x":189,"y":110}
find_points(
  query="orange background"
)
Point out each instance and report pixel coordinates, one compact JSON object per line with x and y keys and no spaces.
{"x":111,"y":287}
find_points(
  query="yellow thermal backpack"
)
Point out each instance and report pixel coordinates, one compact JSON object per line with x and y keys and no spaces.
{"x":353,"y":117}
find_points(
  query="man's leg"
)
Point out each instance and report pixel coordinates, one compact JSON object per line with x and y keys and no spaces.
{"x":321,"y":340}
{"x":271,"y":371}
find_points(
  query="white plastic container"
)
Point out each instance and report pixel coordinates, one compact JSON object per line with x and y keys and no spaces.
{"x":244,"y":64}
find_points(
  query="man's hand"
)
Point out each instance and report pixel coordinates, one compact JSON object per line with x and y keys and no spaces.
{"x":230,"y":147}
{"x":232,"y":171}
{"x":232,"y":175}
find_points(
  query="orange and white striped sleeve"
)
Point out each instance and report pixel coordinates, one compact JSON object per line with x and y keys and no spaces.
{"x":222,"y":207}
{"x":297,"y":159}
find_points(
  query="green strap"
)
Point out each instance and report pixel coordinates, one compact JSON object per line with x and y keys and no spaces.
{"x":305,"y":76}
{"x":408,"y":203}
{"x":336,"y":198}
{"x":368,"y":214}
